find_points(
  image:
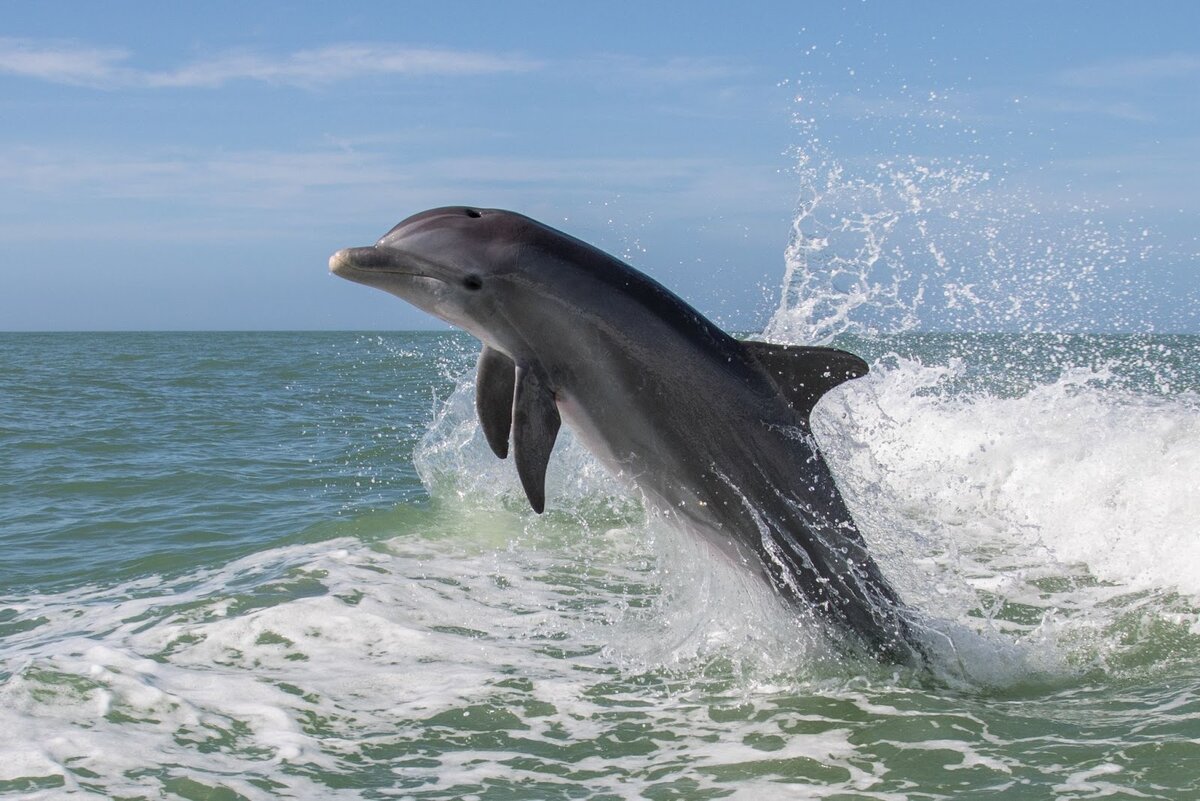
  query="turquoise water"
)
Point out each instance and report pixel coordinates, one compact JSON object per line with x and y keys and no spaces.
{"x":163,"y":451}
{"x":285,"y":565}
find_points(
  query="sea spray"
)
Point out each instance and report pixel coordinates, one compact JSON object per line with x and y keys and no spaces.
{"x":897,"y":238}
{"x":1031,"y":486}
{"x":697,"y":605}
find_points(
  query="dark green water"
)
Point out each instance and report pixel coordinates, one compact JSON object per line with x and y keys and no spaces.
{"x":285,"y":565}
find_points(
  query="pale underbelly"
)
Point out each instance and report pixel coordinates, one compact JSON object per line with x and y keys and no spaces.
{"x":660,"y":482}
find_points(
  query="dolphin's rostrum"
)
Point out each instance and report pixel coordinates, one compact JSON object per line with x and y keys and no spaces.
{"x":712,"y":430}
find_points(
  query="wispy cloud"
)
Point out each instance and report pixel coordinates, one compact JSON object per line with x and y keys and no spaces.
{"x":665,"y":72}
{"x":260,"y":191}
{"x":272,"y":179}
{"x":1133,"y":72}
{"x":1121,"y":109}
{"x":107,"y":68}
{"x":78,"y":65}
{"x":247,"y":179}
{"x":340,"y":62}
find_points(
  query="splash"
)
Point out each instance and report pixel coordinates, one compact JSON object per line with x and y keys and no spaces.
{"x":1032,"y":484}
{"x":1053,"y":515}
{"x":895,"y":243}
{"x":700,"y":606}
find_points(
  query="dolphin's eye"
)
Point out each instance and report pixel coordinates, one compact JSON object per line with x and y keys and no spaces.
{"x":473,"y":282}
{"x":474,"y":213}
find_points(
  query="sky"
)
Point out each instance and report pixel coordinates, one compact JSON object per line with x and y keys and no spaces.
{"x":192,"y":166}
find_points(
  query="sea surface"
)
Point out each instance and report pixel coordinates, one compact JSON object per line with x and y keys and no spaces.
{"x":286,"y":565}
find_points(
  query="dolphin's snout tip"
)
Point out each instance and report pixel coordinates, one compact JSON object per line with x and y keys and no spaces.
{"x":339,"y":261}
{"x":354,"y":263}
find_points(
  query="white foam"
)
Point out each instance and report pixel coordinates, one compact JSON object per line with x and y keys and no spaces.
{"x":285,"y":681}
{"x":1072,"y":471}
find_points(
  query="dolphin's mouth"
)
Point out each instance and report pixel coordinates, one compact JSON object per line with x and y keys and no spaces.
{"x":361,"y":262}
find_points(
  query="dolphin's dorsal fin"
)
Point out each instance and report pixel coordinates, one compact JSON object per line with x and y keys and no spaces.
{"x":804,"y":374}
{"x":495,"y":379}
{"x":535,"y":425}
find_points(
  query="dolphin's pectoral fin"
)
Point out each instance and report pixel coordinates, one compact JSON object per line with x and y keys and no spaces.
{"x":496,"y":377}
{"x":535,"y":425}
{"x":804,"y":374}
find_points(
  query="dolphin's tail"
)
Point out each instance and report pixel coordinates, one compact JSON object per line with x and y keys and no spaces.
{"x":830,"y":571}
{"x":816,"y":558}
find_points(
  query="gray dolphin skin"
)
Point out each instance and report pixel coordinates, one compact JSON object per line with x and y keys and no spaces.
{"x":712,"y":430}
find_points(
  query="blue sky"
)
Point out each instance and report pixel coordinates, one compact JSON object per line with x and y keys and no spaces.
{"x":170,"y":166}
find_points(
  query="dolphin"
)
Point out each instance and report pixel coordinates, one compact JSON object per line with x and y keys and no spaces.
{"x":714,"y":431}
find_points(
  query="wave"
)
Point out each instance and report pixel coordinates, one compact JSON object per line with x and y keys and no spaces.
{"x":1047,"y":532}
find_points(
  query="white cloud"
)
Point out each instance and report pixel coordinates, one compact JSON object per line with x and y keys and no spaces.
{"x":1121,"y":110}
{"x":247,"y":179}
{"x":337,"y":184}
{"x":338,"y":62}
{"x":82,"y":65}
{"x":265,"y":177}
{"x":79,"y":64}
{"x":657,"y":73}
{"x":1133,"y":72}
{"x":62,"y":62}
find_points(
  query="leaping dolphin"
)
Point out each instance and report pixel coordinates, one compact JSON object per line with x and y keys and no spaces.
{"x":709,"y":428}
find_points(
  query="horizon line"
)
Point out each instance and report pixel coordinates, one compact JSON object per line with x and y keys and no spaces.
{"x":451,"y":330}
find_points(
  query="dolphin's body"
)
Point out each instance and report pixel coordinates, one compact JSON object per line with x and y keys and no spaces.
{"x":710,"y":428}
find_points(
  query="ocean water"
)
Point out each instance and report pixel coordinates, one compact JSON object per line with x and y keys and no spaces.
{"x":285,"y":565}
